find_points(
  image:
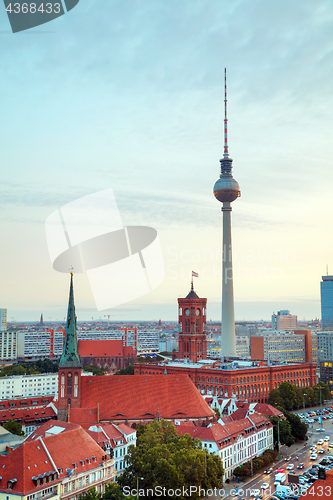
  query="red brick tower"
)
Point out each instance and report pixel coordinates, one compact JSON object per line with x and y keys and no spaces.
{"x":192,"y":320}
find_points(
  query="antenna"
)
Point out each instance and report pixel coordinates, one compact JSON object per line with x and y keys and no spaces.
{"x":326,"y":269}
{"x":226,"y":152}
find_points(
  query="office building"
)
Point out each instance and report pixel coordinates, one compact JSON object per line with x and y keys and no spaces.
{"x":3,"y":319}
{"x":36,"y":344}
{"x":325,"y":345}
{"x":300,"y":346}
{"x":326,"y":295}
{"x":283,"y":321}
{"x":8,"y":345}
{"x":326,"y":373}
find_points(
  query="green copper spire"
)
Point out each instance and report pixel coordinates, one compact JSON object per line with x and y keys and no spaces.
{"x":70,"y":355}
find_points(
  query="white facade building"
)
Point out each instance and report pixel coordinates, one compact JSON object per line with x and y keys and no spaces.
{"x":8,"y":345}
{"x":235,"y":442}
{"x":24,"y":386}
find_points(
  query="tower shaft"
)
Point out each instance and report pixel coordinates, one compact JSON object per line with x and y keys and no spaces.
{"x":228,"y":340}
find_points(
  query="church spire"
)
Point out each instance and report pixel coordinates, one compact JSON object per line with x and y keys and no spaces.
{"x":70,"y":355}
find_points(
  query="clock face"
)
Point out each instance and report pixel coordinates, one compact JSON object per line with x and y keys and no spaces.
{"x":187,"y":312}
{"x":197,"y":312}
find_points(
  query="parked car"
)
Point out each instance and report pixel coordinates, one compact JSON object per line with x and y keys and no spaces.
{"x":320,"y":441}
{"x":321,"y":450}
{"x":326,"y":438}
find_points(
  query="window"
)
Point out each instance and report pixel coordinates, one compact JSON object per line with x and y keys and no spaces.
{"x":87,"y":479}
{"x":80,"y":482}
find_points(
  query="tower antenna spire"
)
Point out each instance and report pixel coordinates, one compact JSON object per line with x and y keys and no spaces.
{"x":225,"y":152}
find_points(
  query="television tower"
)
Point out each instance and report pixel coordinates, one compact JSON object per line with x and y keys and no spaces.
{"x":226,"y":190}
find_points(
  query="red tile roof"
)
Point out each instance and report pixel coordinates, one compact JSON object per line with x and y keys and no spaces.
{"x":31,"y":459}
{"x":104,"y":348}
{"x":224,"y":435}
{"x":25,"y":462}
{"x":141,"y":397}
{"x":28,"y":416}
{"x":26,"y":402}
{"x":268,"y":410}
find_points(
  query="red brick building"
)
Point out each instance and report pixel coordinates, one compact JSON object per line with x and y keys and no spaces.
{"x":109,"y":354}
{"x":192,"y":320}
{"x":88,"y":400}
{"x":251,"y":383}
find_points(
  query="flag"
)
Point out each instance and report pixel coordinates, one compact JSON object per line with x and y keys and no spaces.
{"x":196,"y":275}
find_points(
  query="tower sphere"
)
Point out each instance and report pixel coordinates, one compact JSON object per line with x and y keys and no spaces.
{"x":226,"y":188}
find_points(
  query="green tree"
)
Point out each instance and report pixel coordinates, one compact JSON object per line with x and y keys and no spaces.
{"x":162,"y":458}
{"x":274,"y":398}
{"x":298,"y":428}
{"x":96,"y":370}
{"x":289,"y":396}
{"x":13,"y":427}
{"x":90,"y":495}
{"x":114,"y":492}
{"x":217,"y":411}
{"x":129,"y":370}
{"x":286,"y":436}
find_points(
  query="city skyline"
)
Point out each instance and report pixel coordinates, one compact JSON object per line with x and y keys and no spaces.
{"x":132,"y":99}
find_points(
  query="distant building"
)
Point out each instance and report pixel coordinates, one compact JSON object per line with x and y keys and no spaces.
{"x":326,"y":294}
{"x":37,"y":344}
{"x":300,"y":346}
{"x":326,"y":373}
{"x":325,"y":345}
{"x":23,"y":386}
{"x":283,"y":320}
{"x":108,"y":354}
{"x":8,"y":345}
{"x":242,"y":347}
{"x":3,"y":319}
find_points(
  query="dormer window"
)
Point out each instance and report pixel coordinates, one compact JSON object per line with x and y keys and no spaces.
{"x":82,"y":462}
{"x":88,"y":460}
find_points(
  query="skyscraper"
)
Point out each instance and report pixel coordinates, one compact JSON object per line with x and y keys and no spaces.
{"x":326,"y":293}
{"x":226,"y":190}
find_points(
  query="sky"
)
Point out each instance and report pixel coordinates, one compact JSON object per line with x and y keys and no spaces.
{"x":128,"y":95}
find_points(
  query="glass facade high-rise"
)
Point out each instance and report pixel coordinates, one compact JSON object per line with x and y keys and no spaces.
{"x":326,"y":293}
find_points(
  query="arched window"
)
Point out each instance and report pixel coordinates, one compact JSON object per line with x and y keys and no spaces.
{"x":69,"y":384}
{"x":76,"y":385}
{"x":62,"y":387}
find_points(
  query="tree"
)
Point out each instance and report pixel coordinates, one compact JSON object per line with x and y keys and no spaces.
{"x":286,"y":436}
{"x":274,"y":398}
{"x":13,"y":427}
{"x":96,"y":370}
{"x":129,"y":370}
{"x":298,"y":428}
{"x":162,"y":458}
{"x":114,"y":492}
{"x":217,"y":411}
{"x":90,"y":495}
